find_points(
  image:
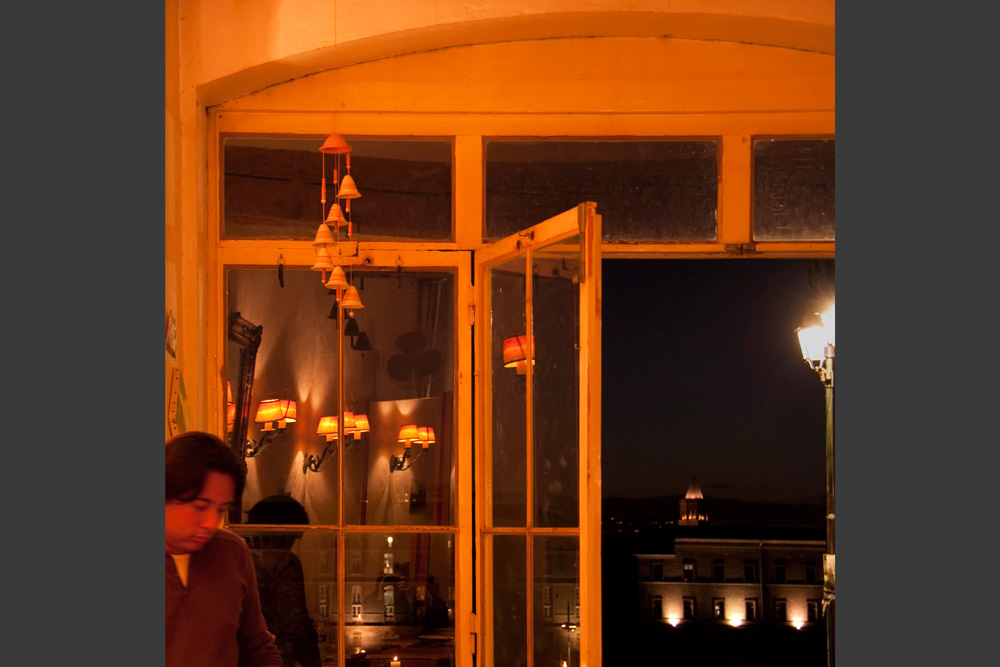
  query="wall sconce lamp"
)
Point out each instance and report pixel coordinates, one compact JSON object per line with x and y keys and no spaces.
{"x":409,"y":434}
{"x":354,"y":427}
{"x":516,"y":353}
{"x":274,"y":414}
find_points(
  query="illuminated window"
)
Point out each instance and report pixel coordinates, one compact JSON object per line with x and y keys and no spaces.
{"x":356,"y":639}
{"x":750,"y":571}
{"x":690,"y":572}
{"x":719,"y":609}
{"x":813,"y":610}
{"x":751,"y":609}
{"x":781,"y":610}
{"x":655,"y":606}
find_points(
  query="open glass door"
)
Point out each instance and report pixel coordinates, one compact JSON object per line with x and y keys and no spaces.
{"x":538,"y":391}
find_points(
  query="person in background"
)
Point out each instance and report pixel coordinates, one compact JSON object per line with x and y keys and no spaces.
{"x":281,"y":582}
{"x":213,"y":614}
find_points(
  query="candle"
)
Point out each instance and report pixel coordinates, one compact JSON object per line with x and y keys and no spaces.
{"x":395,"y":661}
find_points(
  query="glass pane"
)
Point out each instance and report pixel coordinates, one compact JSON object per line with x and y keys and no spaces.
{"x":271,"y":187}
{"x":662,"y":191}
{"x":557,"y":601}
{"x":509,"y":395}
{"x":400,"y":598}
{"x":406,"y":375}
{"x":555,"y":458}
{"x":510,"y":611}
{"x":297,"y":580}
{"x":793,"y":189}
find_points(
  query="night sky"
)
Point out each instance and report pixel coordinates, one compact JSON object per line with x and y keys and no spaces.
{"x":702,"y":376}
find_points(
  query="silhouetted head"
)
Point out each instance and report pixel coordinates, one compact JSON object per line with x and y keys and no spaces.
{"x":280,"y":509}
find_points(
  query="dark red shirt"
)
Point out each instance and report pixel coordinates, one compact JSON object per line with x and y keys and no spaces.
{"x":216,"y":620}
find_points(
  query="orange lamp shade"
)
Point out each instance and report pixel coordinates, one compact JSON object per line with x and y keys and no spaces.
{"x":429,"y":440}
{"x":407,"y":434}
{"x":515,"y":349}
{"x":361,"y":425}
{"x":328,"y":427}
{"x":230,"y":416}
{"x":349,"y":423}
{"x":273,"y":410}
{"x":229,"y":392}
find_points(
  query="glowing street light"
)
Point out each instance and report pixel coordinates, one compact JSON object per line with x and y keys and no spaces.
{"x":817,"y":338}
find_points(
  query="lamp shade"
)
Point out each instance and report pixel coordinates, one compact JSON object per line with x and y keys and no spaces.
{"x":812,"y":337}
{"x":361,"y":425}
{"x":328,"y":427}
{"x":515,"y":349}
{"x":275,"y":410}
{"x":352,"y":299}
{"x":335,"y":144}
{"x":407,"y":434}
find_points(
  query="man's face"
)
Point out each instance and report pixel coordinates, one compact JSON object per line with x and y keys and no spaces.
{"x":190,"y":525}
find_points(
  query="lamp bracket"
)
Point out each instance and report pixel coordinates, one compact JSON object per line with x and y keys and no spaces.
{"x":404,"y":462}
{"x":253,"y":448}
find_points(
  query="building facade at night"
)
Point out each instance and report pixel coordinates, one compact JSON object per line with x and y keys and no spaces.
{"x":501,"y":152}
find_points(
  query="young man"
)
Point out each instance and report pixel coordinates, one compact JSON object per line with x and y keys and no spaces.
{"x":214,"y":617}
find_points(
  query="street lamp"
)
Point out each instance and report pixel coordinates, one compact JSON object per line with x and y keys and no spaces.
{"x":818,"y":342}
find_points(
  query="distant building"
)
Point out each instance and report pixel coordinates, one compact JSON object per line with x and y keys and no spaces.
{"x":693,"y":511}
{"x":730,"y":575}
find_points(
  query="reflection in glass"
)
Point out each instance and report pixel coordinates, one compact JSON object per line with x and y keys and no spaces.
{"x":510,"y":612}
{"x":297,"y":580}
{"x":556,"y":574}
{"x":400,"y":597}
{"x":407,"y":375}
{"x":555,"y":460}
{"x":509,"y":452}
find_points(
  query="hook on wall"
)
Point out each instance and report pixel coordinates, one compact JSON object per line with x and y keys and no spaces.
{"x":281,"y":270}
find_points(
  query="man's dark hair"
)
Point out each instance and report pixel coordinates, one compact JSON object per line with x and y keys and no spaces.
{"x":190,"y":457}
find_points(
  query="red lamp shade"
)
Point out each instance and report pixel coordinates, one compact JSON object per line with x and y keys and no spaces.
{"x":515,"y":349}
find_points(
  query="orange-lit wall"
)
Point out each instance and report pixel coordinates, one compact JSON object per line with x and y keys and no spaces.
{"x":464,"y":69}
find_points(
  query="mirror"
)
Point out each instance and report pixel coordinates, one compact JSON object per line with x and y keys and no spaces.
{"x":244,"y":337}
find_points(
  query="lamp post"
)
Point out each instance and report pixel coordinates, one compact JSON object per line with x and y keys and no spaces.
{"x":818,"y":342}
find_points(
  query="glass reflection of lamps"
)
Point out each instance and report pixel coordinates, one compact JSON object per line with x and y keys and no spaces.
{"x":274,"y":414}
{"x":515,"y":353}
{"x":409,"y":434}
{"x":817,"y":339}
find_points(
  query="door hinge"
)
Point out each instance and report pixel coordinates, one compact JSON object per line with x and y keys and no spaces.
{"x":472,"y":314}
{"x":741,"y":247}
